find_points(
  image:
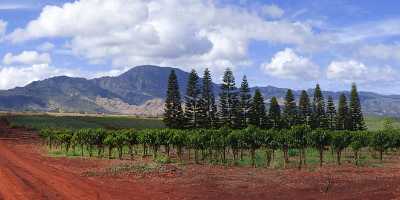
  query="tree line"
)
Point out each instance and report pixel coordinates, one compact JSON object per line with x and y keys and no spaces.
{"x":237,"y":108}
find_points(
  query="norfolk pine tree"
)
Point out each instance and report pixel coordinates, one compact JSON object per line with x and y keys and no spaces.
{"x":257,"y":110}
{"x":343,"y":119}
{"x":245,"y":102}
{"x":318,"y":117}
{"x":304,"y":108}
{"x":331,"y":113}
{"x":357,"y":119}
{"x":228,"y":99}
{"x":173,"y":115}
{"x":192,"y":101}
{"x":290,"y":109}
{"x":207,"y":115}
{"x":274,"y":114}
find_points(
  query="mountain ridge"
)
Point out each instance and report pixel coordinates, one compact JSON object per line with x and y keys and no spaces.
{"x":140,"y":91}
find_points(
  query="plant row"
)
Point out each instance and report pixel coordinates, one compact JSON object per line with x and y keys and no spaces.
{"x":221,"y":144}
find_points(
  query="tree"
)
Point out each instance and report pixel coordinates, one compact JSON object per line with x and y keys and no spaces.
{"x":304,"y":108}
{"x":299,"y":136}
{"x":274,"y":114}
{"x":381,"y":141}
{"x":290,"y":110}
{"x":228,"y":99}
{"x":357,"y":119}
{"x":343,"y":116}
{"x":245,"y":102}
{"x":331,"y":113}
{"x":173,"y":114}
{"x":319,"y":139}
{"x":359,"y":140}
{"x":339,"y":141}
{"x":257,"y":110}
{"x":192,"y":101}
{"x":207,"y":114}
{"x":319,"y":120}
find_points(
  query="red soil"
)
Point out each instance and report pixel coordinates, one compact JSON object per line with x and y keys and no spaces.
{"x":26,"y":173}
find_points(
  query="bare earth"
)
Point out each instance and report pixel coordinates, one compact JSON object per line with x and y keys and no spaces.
{"x":27,"y":173}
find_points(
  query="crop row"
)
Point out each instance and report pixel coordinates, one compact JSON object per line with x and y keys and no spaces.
{"x":218,"y":144}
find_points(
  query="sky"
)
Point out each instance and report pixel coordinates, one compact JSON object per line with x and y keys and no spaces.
{"x":285,"y":43}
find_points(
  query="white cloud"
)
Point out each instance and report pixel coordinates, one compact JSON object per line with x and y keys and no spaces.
{"x":272,"y":11}
{"x":381,"y":51}
{"x":46,"y":47}
{"x":27,"y":57}
{"x":355,"y":71}
{"x":288,"y":65}
{"x":13,"y":6}
{"x":11,"y":77}
{"x":3,"y":27}
{"x":164,"y":32}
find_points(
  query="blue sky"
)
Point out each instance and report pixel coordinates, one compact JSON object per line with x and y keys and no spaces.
{"x":288,"y":43}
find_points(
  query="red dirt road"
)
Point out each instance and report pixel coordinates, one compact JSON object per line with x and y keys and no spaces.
{"x":26,"y":173}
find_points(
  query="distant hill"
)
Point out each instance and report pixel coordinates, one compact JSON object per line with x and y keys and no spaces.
{"x":139,"y":91}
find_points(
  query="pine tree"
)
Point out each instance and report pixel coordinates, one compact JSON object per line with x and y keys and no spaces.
{"x":207,"y":114}
{"x":357,"y":119}
{"x":257,"y":114}
{"x":274,"y":114}
{"x":192,"y":101}
{"x":343,"y":119}
{"x":173,"y":114}
{"x":228,"y":99}
{"x":290,"y":110}
{"x":318,"y":117}
{"x":245,"y":100}
{"x":331,"y":113}
{"x":304,"y":108}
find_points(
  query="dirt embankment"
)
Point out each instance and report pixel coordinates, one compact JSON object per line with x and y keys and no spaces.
{"x":26,"y":173}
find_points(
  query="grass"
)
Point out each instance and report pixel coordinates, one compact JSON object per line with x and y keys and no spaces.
{"x":376,"y":122}
{"x":38,"y":122}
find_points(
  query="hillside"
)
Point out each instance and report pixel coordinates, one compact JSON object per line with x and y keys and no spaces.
{"x":139,"y":91}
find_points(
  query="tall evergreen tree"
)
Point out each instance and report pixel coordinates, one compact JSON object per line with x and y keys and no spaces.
{"x":257,"y":110}
{"x":304,"y":108}
{"x":331,"y":113}
{"x":318,"y":117}
{"x":343,"y":119}
{"x":173,"y":114}
{"x":228,"y":99}
{"x":207,"y":115}
{"x":357,"y":119}
{"x":192,"y":101}
{"x":274,"y":114}
{"x":245,"y":102}
{"x":290,"y":110}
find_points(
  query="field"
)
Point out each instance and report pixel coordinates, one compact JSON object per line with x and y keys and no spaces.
{"x":32,"y":170}
{"x":38,"y":122}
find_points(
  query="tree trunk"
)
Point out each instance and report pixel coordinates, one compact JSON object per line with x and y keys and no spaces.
{"x":321,"y":157}
{"x":338,"y":157}
{"x":253,"y":158}
{"x":196,"y":156}
{"x":131,"y":151}
{"x":269,"y":157}
{"x":109,"y":152}
{"x":381,"y":155}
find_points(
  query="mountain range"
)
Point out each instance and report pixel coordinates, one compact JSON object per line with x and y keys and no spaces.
{"x":141,"y":91}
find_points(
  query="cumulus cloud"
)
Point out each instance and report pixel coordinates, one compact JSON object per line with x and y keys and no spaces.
{"x":12,"y":76}
{"x":287,"y":64}
{"x":27,"y":57}
{"x":272,"y":11}
{"x":355,"y":71}
{"x":164,"y":32}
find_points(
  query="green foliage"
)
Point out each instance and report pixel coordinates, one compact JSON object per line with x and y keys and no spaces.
{"x":257,"y":115}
